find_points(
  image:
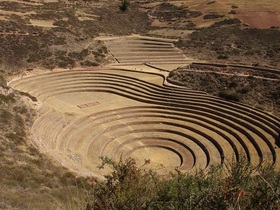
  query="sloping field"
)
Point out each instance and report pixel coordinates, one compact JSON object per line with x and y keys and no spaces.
{"x":116,"y":111}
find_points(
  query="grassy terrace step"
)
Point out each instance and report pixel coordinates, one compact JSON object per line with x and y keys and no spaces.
{"x":151,"y":52}
{"x":151,"y":60}
{"x":119,"y":73}
{"x":188,"y":156}
{"x":154,"y":56}
{"x":122,"y":136}
{"x":186,"y":124}
{"x":118,"y":112}
{"x":29,"y":86}
{"x":45,"y":126}
{"x":39,"y":129}
{"x":106,"y":83}
{"x":95,"y":84}
{"x":191,"y":155}
{"x":154,"y":65}
{"x":128,"y":121}
{"x":117,"y":42}
{"x":187,"y":128}
{"x":120,"y":42}
{"x":105,"y":76}
{"x":144,"y":49}
{"x":166,"y":116}
{"x":131,"y":46}
{"x":110,"y":120}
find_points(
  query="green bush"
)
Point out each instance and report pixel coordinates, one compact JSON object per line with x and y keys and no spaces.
{"x":236,"y":185}
{"x":127,"y":187}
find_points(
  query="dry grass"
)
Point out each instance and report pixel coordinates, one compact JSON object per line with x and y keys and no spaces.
{"x":28,"y":179}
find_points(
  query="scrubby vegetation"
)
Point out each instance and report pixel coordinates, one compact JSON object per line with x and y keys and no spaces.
{"x":170,"y":12}
{"x":64,"y":43}
{"x":228,"y":41}
{"x":256,"y":88}
{"x":212,"y":16}
{"x":28,"y":179}
{"x":236,"y":185}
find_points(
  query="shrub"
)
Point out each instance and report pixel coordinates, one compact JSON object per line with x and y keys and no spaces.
{"x":2,"y":81}
{"x":229,"y":21}
{"x":233,"y":12}
{"x":66,"y":62}
{"x":14,"y":137}
{"x":124,"y":5}
{"x":229,"y":95}
{"x":235,"y":185}
{"x":276,"y":93}
{"x":89,"y":63}
{"x":10,"y":98}
{"x":127,"y":187}
{"x":33,"y":98}
{"x":244,"y":90}
{"x":5,"y":117}
{"x":222,"y":56}
{"x":212,"y":16}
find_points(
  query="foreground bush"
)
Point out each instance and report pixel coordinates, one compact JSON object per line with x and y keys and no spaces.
{"x":238,"y":185}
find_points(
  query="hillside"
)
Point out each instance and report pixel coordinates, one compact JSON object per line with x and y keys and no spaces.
{"x":79,"y":77}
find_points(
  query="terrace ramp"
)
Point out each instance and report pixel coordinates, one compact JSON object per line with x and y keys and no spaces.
{"x":126,"y":109}
{"x":135,"y":51}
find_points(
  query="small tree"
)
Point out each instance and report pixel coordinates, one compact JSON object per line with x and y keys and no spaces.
{"x":126,"y":187}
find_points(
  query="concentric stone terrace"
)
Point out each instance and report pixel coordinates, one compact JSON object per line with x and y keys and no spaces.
{"x":129,"y":110}
{"x":111,"y":112}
